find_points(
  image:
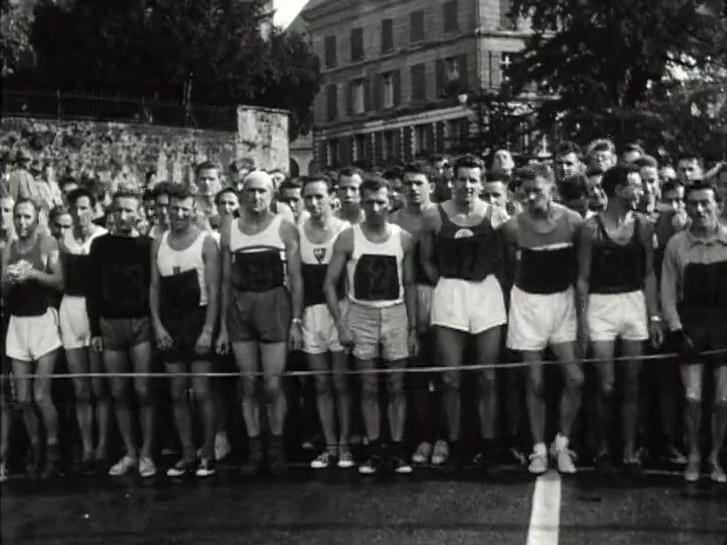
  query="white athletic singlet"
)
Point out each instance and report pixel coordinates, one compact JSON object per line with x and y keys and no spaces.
{"x":171,"y":261}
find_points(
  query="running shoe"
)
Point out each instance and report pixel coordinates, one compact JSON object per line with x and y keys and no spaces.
{"x":206,"y":467}
{"x":180,"y":469}
{"x":538,"y":463}
{"x":52,"y":457}
{"x":345,"y":457}
{"x":717,"y":474}
{"x":564,"y":457}
{"x":123,"y":466}
{"x":222,"y":446}
{"x":323,"y":460}
{"x":692,"y":471}
{"x":675,"y":456}
{"x":440,"y":453}
{"x":517,"y":456}
{"x":371,"y":465}
{"x":400,"y":465}
{"x":422,"y":453}
{"x":146,"y":467}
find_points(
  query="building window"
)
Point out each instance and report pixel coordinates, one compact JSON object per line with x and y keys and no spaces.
{"x":359,"y":147}
{"x":330,"y":51}
{"x":387,"y":35}
{"x":332,"y":102}
{"x":507,"y":59}
{"x":422,"y":145}
{"x":416,"y":26}
{"x":450,"y":16}
{"x":388,"y":150}
{"x":418,"y":82}
{"x":357,"y":48}
{"x":334,"y":150}
{"x":451,"y":76}
{"x":358,"y":89}
{"x":387,"y":83}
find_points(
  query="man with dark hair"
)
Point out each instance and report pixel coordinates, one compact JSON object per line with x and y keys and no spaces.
{"x":290,"y":194}
{"x":694,"y":302}
{"x":207,"y":178}
{"x":617,"y":299}
{"x":347,"y":187}
{"x":161,"y":210}
{"x":496,"y":191}
{"x":75,"y":248}
{"x":631,"y":153}
{"x":574,"y":193}
{"x":31,"y":274}
{"x":59,"y":221}
{"x":690,"y":168}
{"x":184,"y":299}
{"x":227,"y":204}
{"x":596,"y":197}
{"x":117,"y":303}
{"x":262,"y":310}
{"x":542,"y":307}
{"x":68,"y":184}
{"x":395,"y":178}
{"x":568,"y":160}
{"x":148,"y":202}
{"x":239,"y":169}
{"x":649,"y":171}
{"x":601,"y":153}
{"x":461,"y":252}
{"x":378,"y":259}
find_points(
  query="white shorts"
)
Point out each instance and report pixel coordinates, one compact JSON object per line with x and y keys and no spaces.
{"x":32,"y":337}
{"x":617,"y":315}
{"x":538,"y":320}
{"x":468,"y":306}
{"x":75,"y":329}
{"x":319,"y":330}
{"x":425,"y":293}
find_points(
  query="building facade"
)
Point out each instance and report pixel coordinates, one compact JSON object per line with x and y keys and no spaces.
{"x":397,"y":74}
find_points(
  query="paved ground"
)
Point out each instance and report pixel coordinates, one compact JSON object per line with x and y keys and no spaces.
{"x":340,"y":507}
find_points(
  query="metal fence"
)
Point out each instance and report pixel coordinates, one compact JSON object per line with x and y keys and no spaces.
{"x":68,"y":106}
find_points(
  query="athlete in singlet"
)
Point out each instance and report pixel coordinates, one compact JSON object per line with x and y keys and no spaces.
{"x":184,"y":300}
{"x":428,"y":416}
{"x":6,"y":235}
{"x":31,"y":274}
{"x":617,"y":299}
{"x":694,"y":302}
{"x":348,"y":191}
{"x":117,"y":303}
{"x":261,"y":288}
{"x":320,"y":337}
{"x":76,"y":330}
{"x":462,"y":252}
{"x":542,"y":307}
{"x":377,"y":257}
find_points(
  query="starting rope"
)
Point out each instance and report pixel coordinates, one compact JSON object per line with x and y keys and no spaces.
{"x":371,"y":371}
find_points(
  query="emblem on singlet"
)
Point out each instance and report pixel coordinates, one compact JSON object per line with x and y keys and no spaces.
{"x":319,"y":254}
{"x":463,"y":233}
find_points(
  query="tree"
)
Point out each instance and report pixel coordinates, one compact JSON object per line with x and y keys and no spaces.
{"x":17,"y":18}
{"x":603,"y":61}
{"x":163,"y":49}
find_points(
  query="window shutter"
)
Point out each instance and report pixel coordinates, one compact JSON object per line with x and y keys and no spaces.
{"x":378,"y":148}
{"x":367,"y":91}
{"x":439,"y":129}
{"x":378,"y":92}
{"x":408,"y":135}
{"x":463,"y":79}
{"x":397,"y":88}
{"x":349,"y":98}
{"x":440,"y":79}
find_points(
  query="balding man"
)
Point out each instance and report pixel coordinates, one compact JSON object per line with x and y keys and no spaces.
{"x":262,"y":309}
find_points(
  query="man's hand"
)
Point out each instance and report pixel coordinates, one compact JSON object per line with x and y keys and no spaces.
{"x":97,"y":344}
{"x":295,"y":337}
{"x":583,"y":336}
{"x":204,"y":342}
{"x":222,"y":346}
{"x":164,"y":341}
{"x":345,"y":337}
{"x":413,"y":343}
{"x":656,"y":333}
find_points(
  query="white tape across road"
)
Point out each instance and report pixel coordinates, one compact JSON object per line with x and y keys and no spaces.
{"x":545,"y":514}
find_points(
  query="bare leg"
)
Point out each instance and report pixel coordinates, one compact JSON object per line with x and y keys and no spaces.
{"x":339,"y":363}
{"x":78,"y":364}
{"x":488,"y":352}
{"x":42,"y":390}
{"x":369,"y":400}
{"x":396,"y":410}
{"x":630,"y":407}
{"x":141,"y":359}
{"x":201,"y":388}
{"x":570,"y":401}
{"x":692,"y":379}
{"x":246,"y":357}
{"x":719,"y":416}
{"x":604,"y":352}
{"x":103,"y":404}
{"x":24,"y":392}
{"x":273,"y":357}
{"x":450,"y":348}
{"x":115,"y":363}
{"x":179,"y":387}
{"x":324,"y":397}
{"x":535,"y":395}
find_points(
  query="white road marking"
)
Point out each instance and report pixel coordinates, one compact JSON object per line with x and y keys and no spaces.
{"x":545,"y":515}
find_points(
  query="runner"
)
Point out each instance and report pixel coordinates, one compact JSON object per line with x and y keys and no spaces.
{"x":117,"y":302}
{"x":378,"y":259}
{"x":6,"y":235}
{"x":618,"y":299}
{"x":184,"y":301}
{"x":76,"y":331}
{"x":348,"y":190}
{"x":31,"y":273}
{"x":426,"y":387}
{"x":320,"y":338}
{"x":256,"y":317}
{"x":694,"y":302}
{"x":542,"y":308}
{"x":464,"y":255}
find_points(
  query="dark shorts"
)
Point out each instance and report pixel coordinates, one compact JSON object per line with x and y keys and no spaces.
{"x":259,"y":316}
{"x":185,"y":329}
{"x":122,"y":334}
{"x":707,"y":329}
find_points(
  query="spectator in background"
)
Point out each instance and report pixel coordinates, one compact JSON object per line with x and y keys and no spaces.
{"x":45,"y":190}
{"x":689,"y":169}
{"x":574,"y":193}
{"x":290,"y":194}
{"x":239,"y":168}
{"x":601,"y":153}
{"x":7,"y":231}
{"x":395,"y":176}
{"x":597,"y":197}
{"x":227,"y":203}
{"x":502,"y":162}
{"x":649,"y":172}
{"x":495,"y":190}
{"x":568,"y":160}
{"x":20,"y":180}
{"x":632,"y":152}
{"x":667,"y":173}
{"x":59,"y":221}
{"x":150,"y":180}
{"x":67,"y":185}
{"x":207,"y":179}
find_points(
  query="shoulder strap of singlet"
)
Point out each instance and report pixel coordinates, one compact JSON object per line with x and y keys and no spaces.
{"x":443,"y":215}
{"x":602,"y":228}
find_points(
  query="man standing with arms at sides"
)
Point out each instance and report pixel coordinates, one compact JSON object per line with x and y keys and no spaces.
{"x":6,"y":235}
{"x":377,"y":257}
{"x":617,"y":299}
{"x":117,"y":302}
{"x":417,"y":198}
{"x":694,"y":302}
{"x":76,"y":331}
{"x":320,"y":337}
{"x":258,"y":300}
{"x":184,"y":299}
{"x":31,"y":273}
{"x":541,"y":241}
{"x":463,"y":255}
{"x":348,"y":189}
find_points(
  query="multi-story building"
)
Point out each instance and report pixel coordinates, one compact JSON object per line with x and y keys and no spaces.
{"x":397,"y":74}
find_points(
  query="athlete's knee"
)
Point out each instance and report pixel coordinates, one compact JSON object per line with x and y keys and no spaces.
{"x":323,"y":386}
{"x":487,"y":380}
{"x":369,"y":389}
{"x":201,"y":390}
{"x":143,"y":393}
{"x":247,"y":387}
{"x":535,"y":384}
{"x":606,"y":388}
{"x":395,"y":385}
{"x":574,"y":380}
{"x":450,"y":381}
{"x":340,"y":385}
{"x":273,"y":388}
{"x":82,"y":393}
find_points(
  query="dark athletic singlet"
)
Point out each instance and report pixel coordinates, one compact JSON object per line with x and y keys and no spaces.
{"x":617,"y":268}
{"x":29,"y":298}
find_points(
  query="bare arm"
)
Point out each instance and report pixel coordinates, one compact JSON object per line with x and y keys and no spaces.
{"x":670,"y":283}
{"x":5,"y":284}
{"x":650,"y":288}
{"x":430,"y":225}
{"x":54,"y":278}
{"x":342,"y":249}
{"x":154,"y":286}
{"x":211,"y":257}
{"x":289,"y":235}
{"x":585,"y":253}
{"x":409,"y":279}
{"x":226,"y":261}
